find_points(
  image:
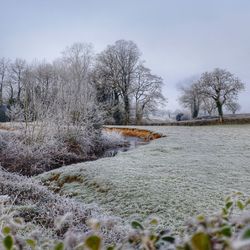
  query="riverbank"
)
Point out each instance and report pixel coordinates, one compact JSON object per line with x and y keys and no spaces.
{"x":144,"y":134}
{"x":18,"y":155}
{"x":30,"y":152}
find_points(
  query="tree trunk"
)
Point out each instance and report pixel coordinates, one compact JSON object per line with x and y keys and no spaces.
{"x":116,"y":98}
{"x":1,"y":94}
{"x":195,"y":109}
{"x":195,"y":113}
{"x":117,"y":114}
{"x":127,"y":110}
{"x":136,"y":112}
{"x":220,"y":110}
{"x":19,"y":91}
{"x":138,"y":117}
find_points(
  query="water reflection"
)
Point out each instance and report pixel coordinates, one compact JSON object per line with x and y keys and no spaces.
{"x":132,"y":143}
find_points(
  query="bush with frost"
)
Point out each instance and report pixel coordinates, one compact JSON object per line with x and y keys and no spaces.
{"x":56,"y":116}
{"x":46,"y":216}
{"x":33,"y":152}
{"x":28,"y":155}
{"x":59,"y":119}
{"x":112,"y":139}
{"x":21,"y":154}
{"x":33,"y":218}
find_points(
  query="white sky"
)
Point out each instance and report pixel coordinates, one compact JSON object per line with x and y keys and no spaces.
{"x":178,"y":38}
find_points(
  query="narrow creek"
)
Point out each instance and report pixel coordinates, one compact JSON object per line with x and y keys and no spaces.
{"x":132,"y":142}
{"x":134,"y":138}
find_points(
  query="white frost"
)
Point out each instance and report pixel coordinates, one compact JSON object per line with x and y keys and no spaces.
{"x":188,"y":172}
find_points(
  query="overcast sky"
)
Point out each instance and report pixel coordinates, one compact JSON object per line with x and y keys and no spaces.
{"x":178,"y":39}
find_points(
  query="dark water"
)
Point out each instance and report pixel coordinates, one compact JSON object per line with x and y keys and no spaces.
{"x":132,"y":143}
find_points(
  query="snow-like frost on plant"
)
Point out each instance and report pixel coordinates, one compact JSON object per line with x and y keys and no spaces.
{"x":42,"y":208}
{"x":111,"y":139}
{"x":188,"y":172}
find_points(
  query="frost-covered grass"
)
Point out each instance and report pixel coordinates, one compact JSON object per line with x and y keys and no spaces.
{"x":50,"y":214}
{"x":175,"y":177}
{"x":227,"y":230}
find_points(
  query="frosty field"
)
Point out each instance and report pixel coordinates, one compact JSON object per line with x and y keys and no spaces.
{"x":188,"y":172}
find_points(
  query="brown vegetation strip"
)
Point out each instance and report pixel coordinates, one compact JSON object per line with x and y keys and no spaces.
{"x":5,"y":127}
{"x":146,"y":135}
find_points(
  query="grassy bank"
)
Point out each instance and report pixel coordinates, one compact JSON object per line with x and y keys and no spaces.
{"x":144,"y":134}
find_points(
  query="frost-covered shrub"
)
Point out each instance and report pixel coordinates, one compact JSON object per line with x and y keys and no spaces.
{"x":35,"y":202}
{"x":112,"y":139}
{"x":33,"y":150}
{"x":3,"y":143}
{"x":30,"y":151}
{"x":57,"y":111}
{"x":47,"y":212}
{"x":18,"y":154}
{"x":226,"y":230}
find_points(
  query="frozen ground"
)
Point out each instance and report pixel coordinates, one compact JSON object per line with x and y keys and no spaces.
{"x":188,"y":172}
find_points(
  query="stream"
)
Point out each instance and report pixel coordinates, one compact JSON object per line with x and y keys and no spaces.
{"x":132,"y":143}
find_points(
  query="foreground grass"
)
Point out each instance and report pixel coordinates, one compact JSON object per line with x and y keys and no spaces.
{"x":225,"y":230}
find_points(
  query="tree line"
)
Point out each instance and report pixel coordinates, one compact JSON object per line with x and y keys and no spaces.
{"x":114,"y":83}
{"x":212,"y":92}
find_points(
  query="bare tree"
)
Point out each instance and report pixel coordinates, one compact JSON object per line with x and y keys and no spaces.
{"x":45,"y":78}
{"x":169,"y":112}
{"x":191,"y":99}
{"x":75,"y":104}
{"x":208,"y":105}
{"x":57,"y":97}
{"x":117,"y":65}
{"x":233,"y":107}
{"x":17,"y":71}
{"x":78,"y":61}
{"x":147,"y":92}
{"x":4,"y":68}
{"x":222,"y":86}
